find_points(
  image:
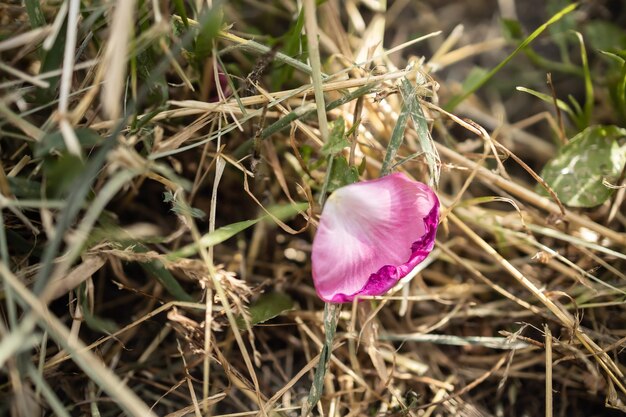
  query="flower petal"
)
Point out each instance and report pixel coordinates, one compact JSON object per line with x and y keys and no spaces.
{"x":222,"y":78}
{"x":371,"y":234}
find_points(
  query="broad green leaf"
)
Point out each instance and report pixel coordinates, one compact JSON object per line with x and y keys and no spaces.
{"x":336,"y":138}
{"x":87,"y":138}
{"x":576,"y":174}
{"x":341,"y":174}
{"x":266,"y":307}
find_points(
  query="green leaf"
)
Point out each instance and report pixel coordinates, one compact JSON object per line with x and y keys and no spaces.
{"x":341,"y":174}
{"x":619,"y":95}
{"x":567,"y":22}
{"x":512,"y":29}
{"x":181,"y":208}
{"x":576,"y":174}
{"x":180,"y":9}
{"x":413,"y":109}
{"x":303,"y":111}
{"x":295,"y":44}
{"x":61,"y":173}
{"x":424,"y":137}
{"x":224,"y":233}
{"x":87,"y":138}
{"x":35,"y":14}
{"x":52,"y":60}
{"x":331,"y":317}
{"x":266,"y":307}
{"x":306,"y":151}
{"x":99,"y":324}
{"x":548,"y":99}
{"x":208,"y":32}
{"x":156,"y":270}
{"x":397,"y":136}
{"x":362,"y":165}
{"x":145,"y":61}
{"x":474,"y":78}
{"x":336,"y":138}
{"x":617,"y":85}
{"x":585,"y":117}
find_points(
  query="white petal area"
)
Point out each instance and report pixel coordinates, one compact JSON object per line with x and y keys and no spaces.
{"x":364,"y":227}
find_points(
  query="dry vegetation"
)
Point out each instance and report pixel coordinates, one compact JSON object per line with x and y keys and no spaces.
{"x":153,"y":213}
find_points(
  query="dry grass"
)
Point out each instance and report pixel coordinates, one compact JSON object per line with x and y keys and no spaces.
{"x":115,"y":301}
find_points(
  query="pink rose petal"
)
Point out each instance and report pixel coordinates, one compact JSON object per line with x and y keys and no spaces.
{"x":372,"y":234}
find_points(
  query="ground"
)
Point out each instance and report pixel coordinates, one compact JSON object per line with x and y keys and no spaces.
{"x":165,"y":164}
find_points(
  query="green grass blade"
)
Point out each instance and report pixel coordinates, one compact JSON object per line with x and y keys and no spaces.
{"x":8,"y":292}
{"x":457,"y":100}
{"x":548,"y":99}
{"x":424,"y":137}
{"x":156,"y":269}
{"x":83,"y":185}
{"x":180,"y":9}
{"x":282,"y":123}
{"x":224,"y":233}
{"x":397,"y":136}
{"x":588,"y":106}
{"x":35,"y":14}
{"x":331,"y":317}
